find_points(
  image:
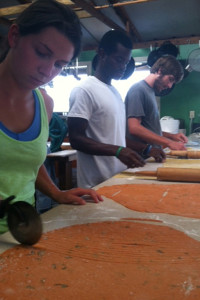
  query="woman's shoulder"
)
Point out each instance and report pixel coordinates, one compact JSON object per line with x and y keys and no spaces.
{"x":48,"y":101}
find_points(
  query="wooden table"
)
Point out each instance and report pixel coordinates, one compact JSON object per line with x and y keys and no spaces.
{"x":109,"y":210}
{"x":64,"y":161}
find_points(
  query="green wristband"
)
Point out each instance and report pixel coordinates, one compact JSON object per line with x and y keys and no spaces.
{"x":118,"y":151}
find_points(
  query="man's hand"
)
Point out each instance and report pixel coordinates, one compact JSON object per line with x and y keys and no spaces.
{"x":158,"y":154}
{"x":179,"y":137}
{"x":173,"y":145}
{"x":131,"y":158}
{"x":175,"y":141}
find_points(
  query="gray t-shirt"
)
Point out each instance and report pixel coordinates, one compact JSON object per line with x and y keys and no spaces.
{"x":141,"y":103}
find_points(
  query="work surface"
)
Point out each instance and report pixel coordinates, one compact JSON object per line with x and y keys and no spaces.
{"x":109,"y":210}
{"x":67,"y":215}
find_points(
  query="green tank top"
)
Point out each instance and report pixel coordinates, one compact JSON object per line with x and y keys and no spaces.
{"x":20,"y":162}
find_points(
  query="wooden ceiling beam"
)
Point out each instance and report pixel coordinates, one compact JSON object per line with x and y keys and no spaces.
{"x":96,"y":14}
{"x":17,"y":9}
{"x":12,"y":10}
{"x":158,"y":43}
{"x":87,"y":9}
{"x":130,"y":28}
{"x":175,"y":41}
{"x":117,"y":4}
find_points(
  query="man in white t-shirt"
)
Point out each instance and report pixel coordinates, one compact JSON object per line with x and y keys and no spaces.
{"x":96,"y":118}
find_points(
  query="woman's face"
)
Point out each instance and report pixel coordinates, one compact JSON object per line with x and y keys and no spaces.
{"x":37,"y":58}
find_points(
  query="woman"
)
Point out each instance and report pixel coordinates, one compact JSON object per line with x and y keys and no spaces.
{"x":43,"y":40}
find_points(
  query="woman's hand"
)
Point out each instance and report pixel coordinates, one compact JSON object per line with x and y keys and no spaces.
{"x":73,"y":196}
{"x":46,"y":186}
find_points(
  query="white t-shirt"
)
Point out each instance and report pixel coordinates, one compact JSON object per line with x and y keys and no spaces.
{"x":102,"y":106}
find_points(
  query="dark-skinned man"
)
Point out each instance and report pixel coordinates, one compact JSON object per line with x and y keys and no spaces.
{"x":96,"y":118}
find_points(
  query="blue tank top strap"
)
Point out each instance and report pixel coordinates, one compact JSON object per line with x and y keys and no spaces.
{"x":33,"y":131}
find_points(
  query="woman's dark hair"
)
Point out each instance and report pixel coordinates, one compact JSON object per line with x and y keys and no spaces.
{"x":46,"y":13}
{"x":168,"y":65}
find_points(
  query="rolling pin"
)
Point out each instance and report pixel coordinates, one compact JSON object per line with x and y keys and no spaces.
{"x":185,"y":153}
{"x":173,"y":174}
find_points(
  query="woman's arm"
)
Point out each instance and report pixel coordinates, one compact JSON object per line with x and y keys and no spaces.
{"x":45,"y":185}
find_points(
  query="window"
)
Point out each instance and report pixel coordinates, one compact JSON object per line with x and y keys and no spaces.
{"x":60,"y":90}
{"x":123,"y":85}
{"x":60,"y":87}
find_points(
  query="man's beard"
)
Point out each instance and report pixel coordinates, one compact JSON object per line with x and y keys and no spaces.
{"x":158,"y":85}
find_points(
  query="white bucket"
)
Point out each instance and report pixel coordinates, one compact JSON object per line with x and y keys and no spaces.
{"x":169,"y":124}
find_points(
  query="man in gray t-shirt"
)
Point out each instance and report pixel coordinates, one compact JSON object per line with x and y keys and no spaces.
{"x":142,"y":114}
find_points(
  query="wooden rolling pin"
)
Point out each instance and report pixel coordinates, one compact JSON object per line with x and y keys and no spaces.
{"x":173,"y":174}
{"x":185,"y":153}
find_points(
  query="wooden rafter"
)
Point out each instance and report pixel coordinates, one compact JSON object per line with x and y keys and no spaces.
{"x":96,"y":14}
{"x":17,"y":9}
{"x":176,"y":41}
{"x":12,"y":10}
{"x":88,"y":9}
{"x":130,"y":28}
{"x":118,"y":4}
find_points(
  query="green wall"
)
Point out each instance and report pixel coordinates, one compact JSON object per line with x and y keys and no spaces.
{"x":86,"y":55}
{"x":183,"y":98}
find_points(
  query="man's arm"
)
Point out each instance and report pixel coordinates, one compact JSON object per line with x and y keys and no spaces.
{"x":79,"y":141}
{"x":176,"y":136}
{"x":135,"y":128}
